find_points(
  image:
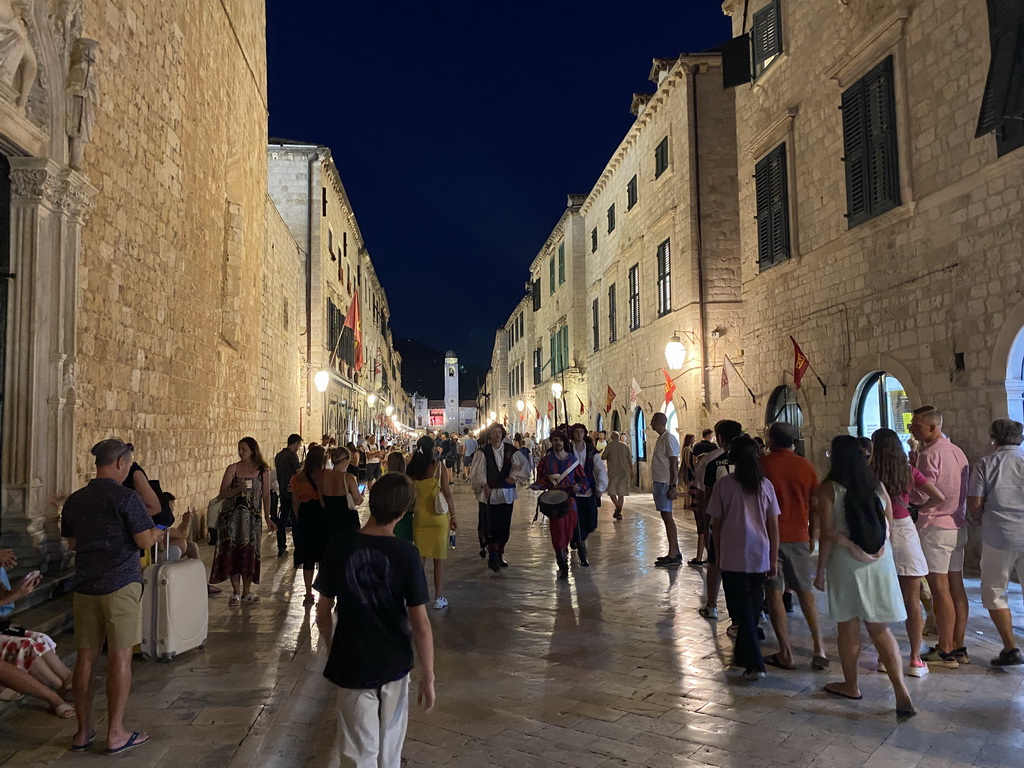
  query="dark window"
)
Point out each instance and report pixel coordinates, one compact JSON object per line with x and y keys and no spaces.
{"x":597,"y":326}
{"x":664,"y":279}
{"x":593,"y":240}
{"x":551,"y":274}
{"x":565,"y":348}
{"x":611,"y":218}
{"x":869,"y":142}
{"x":767,"y":37}
{"x":535,"y":292}
{"x":561,"y":263}
{"x":538,"y":364}
{"x":323,"y":201}
{"x":613,"y":329}
{"x":661,"y":158}
{"x":772,"y":208}
{"x":1002,"y":105}
{"x":344,"y":243}
{"x":634,"y":297}
{"x":631,"y":196}
{"x":553,"y":343}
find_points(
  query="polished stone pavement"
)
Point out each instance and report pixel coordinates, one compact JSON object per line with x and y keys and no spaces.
{"x":613,"y":668}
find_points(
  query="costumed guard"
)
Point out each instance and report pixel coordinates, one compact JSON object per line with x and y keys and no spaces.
{"x":597,"y":479}
{"x":560,"y":470}
{"x":495,"y":470}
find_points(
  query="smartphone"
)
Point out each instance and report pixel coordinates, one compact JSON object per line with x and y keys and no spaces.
{"x":33,"y":575}
{"x":362,"y":488}
{"x":161,"y":527}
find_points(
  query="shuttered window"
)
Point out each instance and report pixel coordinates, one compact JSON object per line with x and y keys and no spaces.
{"x":613,"y":328}
{"x":664,"y":279}
{"x":611,"y":218}
{"x":536,"y":295}
{"x":631,"y":194}
{"x":661,"y":158}
{"x":772,"y":208}
{"x":561,"y":263}
{"x":597,"y":325}
{"x":1002,"y":105}
{"x":634,"y":297}
{"x":869,"y":142}
{"x":766,"y":37}
{"x":593,"y":240}
{"x":551,"y":274}
{"x":538,"y":365}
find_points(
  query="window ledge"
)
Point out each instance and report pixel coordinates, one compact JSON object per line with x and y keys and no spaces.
{"x":883,"y":220}
{"x":776,"y":64}
{"x":773,"y":136}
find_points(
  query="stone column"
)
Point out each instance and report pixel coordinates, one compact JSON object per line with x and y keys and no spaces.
{"x":48,"y":203}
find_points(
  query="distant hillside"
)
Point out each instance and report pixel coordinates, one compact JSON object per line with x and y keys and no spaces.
{"x":423,"y":371}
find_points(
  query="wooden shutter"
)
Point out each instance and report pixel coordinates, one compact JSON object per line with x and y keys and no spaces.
{"x":872,"y":152}
{"x":593,"y":240}
{"x":1004,"y":92}
{"x":551,"y":274}
{"x":736,"y":69}
{"x":855,"y":153}
{"x":767,"y":37}
{"x":664,"y":279}
{"x":536,"y":295}
{"x":772,"y":208}
{"x":597,"y":326}
{"x":613,"y":334}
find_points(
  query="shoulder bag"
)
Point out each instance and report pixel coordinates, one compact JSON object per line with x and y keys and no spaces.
{"x":440,"y":502}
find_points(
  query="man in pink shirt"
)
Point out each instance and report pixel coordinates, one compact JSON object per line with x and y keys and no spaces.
{"x":943,"y":532}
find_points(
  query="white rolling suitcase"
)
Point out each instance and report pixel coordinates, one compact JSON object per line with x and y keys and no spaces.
{"x":175,"y":612}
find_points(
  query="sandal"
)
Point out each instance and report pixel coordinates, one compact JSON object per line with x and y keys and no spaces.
{"x":213,"y":590}
{"x":309,"y":600}
{"x":832,"y":689}
{"x":774,"y":661}
{"x":133,"y":741}
{"x":234,"y":601}
{"x":10,"y":695}
{"x":251,"y":598}
{"x":819,"y":663}
{"x":64,"y":711}
{"x":83,"y":747}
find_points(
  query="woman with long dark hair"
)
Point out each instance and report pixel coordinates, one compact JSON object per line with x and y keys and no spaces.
{"x":430,"y":530}
{"x":892,"y":468}
{"x":309,"y":529}
{"x":746,"y":532}
{"x":854,"y":515}
{"x":245,"y":489}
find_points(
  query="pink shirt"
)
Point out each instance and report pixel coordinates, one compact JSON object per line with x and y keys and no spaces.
{"x":742,"y":520}
{"x":946,"y":467}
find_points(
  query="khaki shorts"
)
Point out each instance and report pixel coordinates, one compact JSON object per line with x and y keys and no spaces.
{"x":794,"y":570}
{"x":943,"y":549}
{"x":116,"y":618}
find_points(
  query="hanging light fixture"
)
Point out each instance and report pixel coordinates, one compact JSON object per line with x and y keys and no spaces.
{"x":675,"y":353}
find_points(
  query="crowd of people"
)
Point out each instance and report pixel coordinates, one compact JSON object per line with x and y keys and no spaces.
{"x":889,"y":527}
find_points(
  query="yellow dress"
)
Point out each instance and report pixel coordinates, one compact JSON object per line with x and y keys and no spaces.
{"x":429,"y":530}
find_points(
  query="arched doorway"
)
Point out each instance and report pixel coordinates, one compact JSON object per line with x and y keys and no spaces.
{"x":783,"y":406}
{"x":616,"y":422}
{"x":639,"y":440}
{"x":1015,"y":378}
{"x":882,"y":402}
{"x":600,"y":422}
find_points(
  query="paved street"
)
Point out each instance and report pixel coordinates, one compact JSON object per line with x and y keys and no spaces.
{"x":614,"y":668}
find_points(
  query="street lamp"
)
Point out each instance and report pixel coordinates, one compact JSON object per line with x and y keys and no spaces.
{"x":556,"y":390}
{"x":675,"y":353}
{"x":493,"y":416}
{"x":389,"y":410}
{"x":520,"y":405}
{"x":321,"y":380}
{"x":371,"y":399}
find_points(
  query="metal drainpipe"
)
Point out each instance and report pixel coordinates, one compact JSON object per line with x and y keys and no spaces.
{"x":309,"y":279}
{"x":701,"y":309}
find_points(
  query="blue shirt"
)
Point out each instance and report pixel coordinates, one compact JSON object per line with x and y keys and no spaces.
{"x":5,"y":610}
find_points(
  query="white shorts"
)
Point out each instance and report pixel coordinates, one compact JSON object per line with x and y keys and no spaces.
{"x":944,"y":549}
{"x":996,"y":567}
{"x":906,"y":548}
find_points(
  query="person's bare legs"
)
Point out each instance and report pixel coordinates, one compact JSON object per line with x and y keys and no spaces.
{"x":84,"y":689}
{"x":945,"y":612}
{"x":21,"y":681}
{"x":777,"y":613}
{"x":307,"y":579}
{"x":236,"y":585}
{"x":699,"y":557}
{"x":809,"y":608}
{"x":1003,"y":620}
{"x":41,"y":671}
{"x":438,"y":578}
{"x":889,"y":653}
{"x":119,"y":685}
{"x":910,"y":586}
{"x":849,"y":653}
{"x":961,"y":608}
{"x":671,"y":533}
{"x":712,"y":584}
{"x":247,"y":585}
{"x":58,"y":668}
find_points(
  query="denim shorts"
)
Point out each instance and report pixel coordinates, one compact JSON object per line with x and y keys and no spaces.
{"x":662,"y":502}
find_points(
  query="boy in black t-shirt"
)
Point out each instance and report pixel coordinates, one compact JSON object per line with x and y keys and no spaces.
{"x":381,"y":591}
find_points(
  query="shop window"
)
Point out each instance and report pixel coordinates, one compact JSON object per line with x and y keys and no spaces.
{"x":882,"y":402}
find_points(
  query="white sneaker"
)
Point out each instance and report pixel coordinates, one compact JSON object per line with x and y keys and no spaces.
{"x":440,"y":603}
{"x":917,"y":671}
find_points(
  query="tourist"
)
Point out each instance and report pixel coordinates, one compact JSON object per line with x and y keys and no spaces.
{"x":687,"y":472}
{"x":559,"y":469}
{"x":795,"y":481}
{"x":309,"y":520}
{"x":106,"y":525}
{"x":138,"y":481}
{"x":497,"y":468}
{"x":665,"y":482}
{"x":713,"y":466}
{"x":995,"y":500}
{"x":619,"y":461}
{"x":943,"y":535}
{"x":396,"y":462}
{"x":892,"y":469}
{"x":853,"y":512}
{"x":373,"y":459}
{"x":744,"y":511}
{"x":430,"y":531}
{"x":380,"y":618}
{"x":587,"y":502}
{"x":762,"y":449}
{"x":286,"y":464}
{"x":341,"y":495}
{"x":706,"y":444}
{"x":601,"y":442}
{"x":467,"y":449}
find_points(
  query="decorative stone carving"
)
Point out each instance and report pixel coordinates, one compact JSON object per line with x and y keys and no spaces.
{"x":82,"y":91}
{"x":18,"y":65}
{"x":33,"y":183}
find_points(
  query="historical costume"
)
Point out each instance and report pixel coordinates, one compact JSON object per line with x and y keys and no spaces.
{"x":587,"y":502}
{"x":494,"y":472}
{"x":559,"y":470}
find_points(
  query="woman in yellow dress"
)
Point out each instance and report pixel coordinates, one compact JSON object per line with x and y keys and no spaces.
{"x":429,"y":529}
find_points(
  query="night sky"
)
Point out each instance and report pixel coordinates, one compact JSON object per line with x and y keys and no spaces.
{"x":459,"y":128}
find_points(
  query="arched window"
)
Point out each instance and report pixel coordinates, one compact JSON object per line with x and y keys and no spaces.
{"x":883,"y":402}
{"x":451,"y":373}
{"x":783,"y":406}
{"x":639,"y":439}
{"x":616,"y":422}
{"x":1015,"y":379}
{"x":600,"y":422}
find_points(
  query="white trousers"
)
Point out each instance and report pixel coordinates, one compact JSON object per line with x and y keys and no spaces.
{"x":372,"y":724}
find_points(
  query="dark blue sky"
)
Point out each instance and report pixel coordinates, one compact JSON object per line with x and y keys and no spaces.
{"x":459,"y":128}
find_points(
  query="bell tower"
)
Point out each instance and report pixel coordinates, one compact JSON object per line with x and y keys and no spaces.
{"x":451,"y":391}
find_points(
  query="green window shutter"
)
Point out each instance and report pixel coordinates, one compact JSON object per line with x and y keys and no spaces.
{"x":664,"y":258}
{"x":593,"y":240}
{"x":855,"y":154}
{"x":631,"y":194}
{"x":772,"y":208}
{"x":551,"y":274}
{"x":1003,"y":98}
{"x":561,"y":263}
{"x":661,"y":158}
{"x":613,"y":334}
{"x":596,"y":311}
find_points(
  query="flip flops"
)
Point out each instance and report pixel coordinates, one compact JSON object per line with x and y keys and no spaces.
{"x":819,"y":663}
{"x":133,"y":741}
{"x":84,"y":747}
{"x":774,"y":661}
{"x":830,"y":689}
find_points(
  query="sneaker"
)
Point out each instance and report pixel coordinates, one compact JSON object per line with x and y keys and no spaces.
{"x":939,"y":659}
{"x":1011,"y":658}
{"x":787,"y":601}
{"x":669,"y":562}
{"x":961,"y":655}
{"x":709,"y":612}
{"x":754,"y":674}
{"x":917,"y":669}
{"x":440,"y":603}
{"x":732,"y":631}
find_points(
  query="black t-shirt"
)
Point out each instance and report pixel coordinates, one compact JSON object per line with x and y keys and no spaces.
{"x":704,"y":446}
{"x":715,"y":471}
{"x":374,"y":580}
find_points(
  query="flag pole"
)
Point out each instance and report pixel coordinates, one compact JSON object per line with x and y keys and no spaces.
{"x":824,"y":389}
{"x":745,"y":385}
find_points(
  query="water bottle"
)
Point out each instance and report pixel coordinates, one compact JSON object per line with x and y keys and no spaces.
{"x":451,"y":539}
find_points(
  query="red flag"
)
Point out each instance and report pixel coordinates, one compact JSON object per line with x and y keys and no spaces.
{"x":800,"y":363}
{"x":610,"y":398}
{"x":670,"y":387}
{"x":352,"y":321}
{"x":551,"y":407}
{"x":582,"y":409}
{"x":537,"y":412}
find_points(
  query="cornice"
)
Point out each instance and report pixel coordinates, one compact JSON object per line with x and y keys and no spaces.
{"x":871,"y":46}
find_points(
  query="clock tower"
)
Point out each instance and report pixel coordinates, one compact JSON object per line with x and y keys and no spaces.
{"x":451,"y":391}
